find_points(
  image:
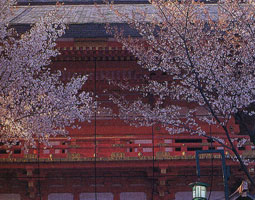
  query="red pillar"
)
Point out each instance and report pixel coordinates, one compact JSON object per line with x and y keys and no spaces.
{"x":116,"y":196}
{"x":76,"y":196}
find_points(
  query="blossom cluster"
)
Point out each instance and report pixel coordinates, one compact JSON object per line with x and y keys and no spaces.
{"x":34,"y":103}
{"x":208,"y":62}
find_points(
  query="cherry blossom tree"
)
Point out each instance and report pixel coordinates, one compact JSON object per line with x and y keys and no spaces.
{"x":208,"y":60}
{"x":34,"y":103}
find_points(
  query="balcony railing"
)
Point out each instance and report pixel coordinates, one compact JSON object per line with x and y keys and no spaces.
{"x":112,"y":148}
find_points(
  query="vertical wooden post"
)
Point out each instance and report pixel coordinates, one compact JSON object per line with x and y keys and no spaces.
{"x":76,"y":196}
{"x":116,"y":196}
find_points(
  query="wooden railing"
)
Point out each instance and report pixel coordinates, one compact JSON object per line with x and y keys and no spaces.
{"x":120,"y":148}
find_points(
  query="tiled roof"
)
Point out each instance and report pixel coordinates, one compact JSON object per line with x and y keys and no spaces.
{"x":95,"y":30}
{"x":90,"y":30}
{"x":82,"y":14}
{"x":83,"y":20}
{"x":43,"y":2}
{"x":76,"y":14}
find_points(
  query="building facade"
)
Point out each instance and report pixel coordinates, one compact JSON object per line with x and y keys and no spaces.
{"x":108,"y":159}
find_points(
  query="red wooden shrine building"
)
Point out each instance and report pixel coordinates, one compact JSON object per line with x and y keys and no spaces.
{"x":107,"y":159}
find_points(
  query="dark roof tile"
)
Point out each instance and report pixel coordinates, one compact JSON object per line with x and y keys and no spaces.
{"x":90,"y":30}
{"x":49,"y":2}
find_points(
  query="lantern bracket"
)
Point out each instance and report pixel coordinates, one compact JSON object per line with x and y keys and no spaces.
{"x":224,"y":167}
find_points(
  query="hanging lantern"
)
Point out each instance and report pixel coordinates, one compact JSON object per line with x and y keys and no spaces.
{"x":199,"y":190}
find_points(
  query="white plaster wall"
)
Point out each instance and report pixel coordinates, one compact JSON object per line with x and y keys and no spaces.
{"x":60,"y":196}
{"x":132,"y":196}
{"x":100,"y":196}
{"x":9,"y":197}
{"x":215,"y":195}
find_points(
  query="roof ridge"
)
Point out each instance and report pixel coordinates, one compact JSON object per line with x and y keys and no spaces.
{"x":77,"y":2}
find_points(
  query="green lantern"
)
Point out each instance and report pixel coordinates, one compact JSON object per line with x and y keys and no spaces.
{"x":199,"y":190}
